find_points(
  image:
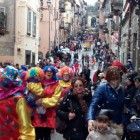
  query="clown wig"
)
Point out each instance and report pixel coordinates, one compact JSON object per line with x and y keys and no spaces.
{"x":35,"y":72}
{"x":66,"y":70}
{"x":53,"y":70}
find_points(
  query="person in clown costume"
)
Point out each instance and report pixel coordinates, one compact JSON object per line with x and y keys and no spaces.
{"x":50,"y":99}
{"x":15,"y":121}
{"x":66,"y":74}
{"x":34,"y":90}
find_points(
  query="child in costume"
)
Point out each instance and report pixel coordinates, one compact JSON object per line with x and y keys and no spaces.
{"x":34,"y":90}
{"x":104,"y":129}
{"x":15,"y":121}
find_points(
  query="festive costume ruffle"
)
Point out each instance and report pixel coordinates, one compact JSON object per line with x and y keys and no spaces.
{"x":14,"y":115}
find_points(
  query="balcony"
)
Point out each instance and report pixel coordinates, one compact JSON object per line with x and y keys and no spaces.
{"x":62,"y":6}
{"x":109,"y":15}
{"x":105,"y":31}
{"x":103,"y":25}
{"x":117,"y":5}
{"x":76,"y":10}
{"x":114,"y":26}
{"x":61,"y":26}
{"x":2,"y":23}
{"x":81,"y":23}
{"x":67,"y":27}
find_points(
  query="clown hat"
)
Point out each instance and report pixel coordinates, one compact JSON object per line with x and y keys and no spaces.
{"x":10,"y":73}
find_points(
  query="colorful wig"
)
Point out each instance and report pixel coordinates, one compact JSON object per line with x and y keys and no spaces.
{"x":53,"y":70}
{"x":23,"y":75}
{"x":35,"y":72}
{"x":66,"y":70}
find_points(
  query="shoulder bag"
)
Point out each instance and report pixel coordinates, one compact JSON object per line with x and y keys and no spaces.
{"x":61,"y":124}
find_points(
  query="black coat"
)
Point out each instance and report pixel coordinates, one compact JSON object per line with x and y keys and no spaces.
{"x":135,"y":105}
{"x":77,"y":127}
{"x":129,"y":94}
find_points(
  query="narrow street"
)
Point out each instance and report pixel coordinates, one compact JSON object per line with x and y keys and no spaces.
{"x":55,"y":135}
{"x":79,"y":56}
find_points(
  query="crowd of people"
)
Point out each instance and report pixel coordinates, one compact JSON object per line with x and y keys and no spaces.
{"x":61,"y":85}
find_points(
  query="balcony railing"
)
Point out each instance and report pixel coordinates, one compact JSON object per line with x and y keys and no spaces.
{"x":114,"y":26}
{"x":118,"y":4}
{"x":105,"y":30}
{"x":109,"y":15}
{"x":67,"y":27}
{"x":61,"y":26}
{"x":2,"y":23}
{"x":76,"y":11}
{"x":103,"y":25}
{"x":62,"y":6}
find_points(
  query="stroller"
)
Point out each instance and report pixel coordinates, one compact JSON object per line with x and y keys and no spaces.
{"x":133,"y":129}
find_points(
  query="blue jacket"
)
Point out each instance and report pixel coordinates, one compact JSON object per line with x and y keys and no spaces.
{"x":105,"y":97}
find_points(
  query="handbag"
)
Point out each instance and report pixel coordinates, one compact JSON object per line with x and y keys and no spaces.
{"x":133,"y":130}
{"x":61,"y":124}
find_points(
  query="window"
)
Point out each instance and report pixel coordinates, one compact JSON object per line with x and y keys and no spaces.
{"x":2,"y":21}
{"x":2,"y":17}
{"x":34,"y":24}
{"x":2,"y":9}
{"x":29,"y":22}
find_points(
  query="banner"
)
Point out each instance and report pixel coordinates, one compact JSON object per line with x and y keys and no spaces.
{"x":87,"y":44}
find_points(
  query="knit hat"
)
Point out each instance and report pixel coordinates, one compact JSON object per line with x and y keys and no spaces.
{"x":137,"y":78}
{"x":132,"y":76}
{"x":105,"y":113}
{"x":24,"y":68}
{"x":118,"y":64}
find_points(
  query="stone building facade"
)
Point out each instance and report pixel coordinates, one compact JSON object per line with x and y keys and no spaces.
{"x":20,"y":42}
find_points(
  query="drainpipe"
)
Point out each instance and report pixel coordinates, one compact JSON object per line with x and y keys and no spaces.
{"x":129,"y":31}
{"x":120,"y":33}
{"x":15,"y":21}
{"x":55,"y":36}
{"x":138,"y":45}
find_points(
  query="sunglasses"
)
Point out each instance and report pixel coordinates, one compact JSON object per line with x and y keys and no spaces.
{"x":49,"y":71}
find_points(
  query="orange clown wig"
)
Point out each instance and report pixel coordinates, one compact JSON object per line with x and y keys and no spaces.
{"x":66,"y":70}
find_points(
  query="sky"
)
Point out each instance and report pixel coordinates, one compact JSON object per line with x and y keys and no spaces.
{"x":91,"y":2}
